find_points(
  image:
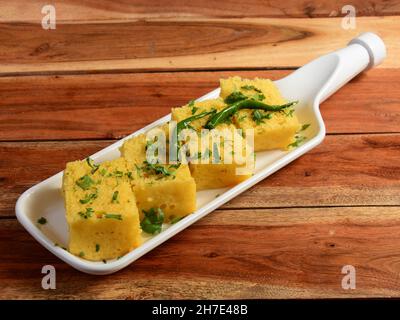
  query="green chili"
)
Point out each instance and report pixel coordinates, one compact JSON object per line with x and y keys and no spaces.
{"x":227,"y":112}
{"x":185,"y":124}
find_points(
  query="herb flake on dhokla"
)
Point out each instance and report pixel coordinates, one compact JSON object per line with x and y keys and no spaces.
{"x":88,"y":198}
{"x":42,"y":220}
{"x":85,"y":182}
{"x":87,"y":214}
{"x":152,"y":221}
{"x":114,"y":198}
{"x":299,"y":140}
{"x":250,"y":87}
{"x":113,"y":216}
{"x":93,"y":166}
{"x":259,"y":116}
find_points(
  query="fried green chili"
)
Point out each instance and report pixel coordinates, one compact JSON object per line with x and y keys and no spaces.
{"x":230,"y":110}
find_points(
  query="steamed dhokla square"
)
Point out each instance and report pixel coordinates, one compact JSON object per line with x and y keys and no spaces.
{"x":169,"y":187}
{"x":208,"y":173}
{"x":134,"y":150}
{"x":272,"y":130}
{"x":224,"y":159}
{"x":101,"y":211}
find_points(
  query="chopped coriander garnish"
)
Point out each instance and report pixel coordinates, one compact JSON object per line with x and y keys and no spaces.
{"x":103,"y":172}
{"x":97,"y":247}
{"x":114,"y":198}
{"x":88,"y":198}
{"x":129,"y":175}
{"x":235,"y":96}
{"x":299,"y":140}
{"x":152,"y":221}
{"x":42,"y":220}
{"x":194,"y":109}
{"x":87,"y":214}
{"x":250,"y":87}
{"x":113,"y":216}
{"x":118,"y":173}
{"x":156,"y":168}
{"x":259,"y":96}
{"x":92,"y":165}
{"x":81,"y":254}
{"x":240,"y":119}
{"x":289,"y":113}
{"x":259,"y":116}
{"x":191,"y":103}
{"x":84,"y":182}
{"x":305,"y":126}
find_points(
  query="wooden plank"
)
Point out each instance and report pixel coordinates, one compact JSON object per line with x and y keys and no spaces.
{"x":109,"y":106}
{"x":169,"y":44}
{"x":275,"y":253}
{"x":344,"y":171}
{"x":70,"y":10}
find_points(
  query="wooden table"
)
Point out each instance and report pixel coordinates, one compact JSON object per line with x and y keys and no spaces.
{"x":112,"y":67}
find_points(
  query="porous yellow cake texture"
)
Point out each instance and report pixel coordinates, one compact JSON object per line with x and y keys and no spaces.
{"x":169,"y":187}
{"x":272,"y":130}
{"x":210,"y":168}
{"x":153,"y":143}
{"x":224,"y":160}
{"x":101,"y":211}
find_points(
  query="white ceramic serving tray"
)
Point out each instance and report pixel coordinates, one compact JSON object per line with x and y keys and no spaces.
{"x":310,"y":85}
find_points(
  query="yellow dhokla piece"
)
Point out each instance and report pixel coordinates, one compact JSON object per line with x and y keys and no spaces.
{"x":169,"y":187}
{"x":134,"y":149}
{"x":222,"y":164}
{"x":208,"y":173}
{"x":101,"y":211}
{"x":272,"y":130}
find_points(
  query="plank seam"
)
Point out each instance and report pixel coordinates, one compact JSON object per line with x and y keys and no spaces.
{"x":139,"y":71}
{"x":12,"y":217}
{"x":115,"y":140}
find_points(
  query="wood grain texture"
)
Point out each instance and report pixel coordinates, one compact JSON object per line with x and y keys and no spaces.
{"x":113,"y":66}
{"x":274,"y":253}
{"x":349,"y":170}
{"x":181,"y":43}
{"x":113,"y":105}
{"x":89,"y":10}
